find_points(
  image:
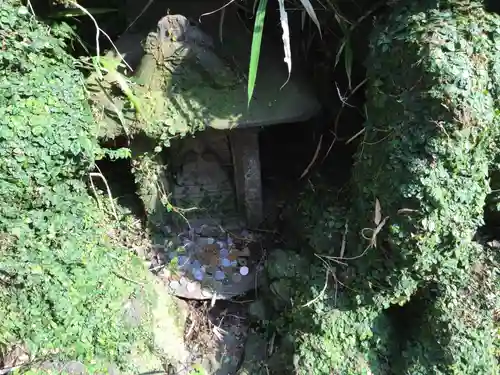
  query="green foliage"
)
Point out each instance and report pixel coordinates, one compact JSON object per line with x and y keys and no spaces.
{"x":422,"y":173}
{"x":323,"y":332}
{"x":419,"y":186}
{"x":428,"y":144}
{"x":454,"y":336}
{"x":322,"y":216}
{"x":350,"y":341}
{"x":257,"y":34}
{"x":256,"y":43}
{"x":120,"y":153}
{"x":61,"y":282}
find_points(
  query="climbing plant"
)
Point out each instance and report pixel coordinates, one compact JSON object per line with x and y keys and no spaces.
{"x":422,"y":176}
{"x":62,"y":284}
{"x":420,"y":182}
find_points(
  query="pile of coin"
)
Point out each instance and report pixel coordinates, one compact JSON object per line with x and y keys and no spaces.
{"x":222,"y":259}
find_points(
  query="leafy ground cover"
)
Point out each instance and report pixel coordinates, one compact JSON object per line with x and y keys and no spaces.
{"x":410,"y":250}
{"x":403,"y":249}
{"x":62,"y":281}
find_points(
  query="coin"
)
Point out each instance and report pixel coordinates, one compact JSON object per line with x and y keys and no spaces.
{"x":219,"y":275}
{"x":198,"y":275}
{"x":244,"y":270}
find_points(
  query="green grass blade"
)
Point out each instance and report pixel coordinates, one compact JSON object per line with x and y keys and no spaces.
{"x":345,"y":47}
{"x":78,"y":12}
{"x":256,"y":44}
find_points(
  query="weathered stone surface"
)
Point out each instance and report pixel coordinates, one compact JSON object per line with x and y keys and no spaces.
{"x":187,"y":84}
{"x":186,"y":81}
{"x":203,"y":177}
{"x":168,"y":318}
{"x":248,"y":180}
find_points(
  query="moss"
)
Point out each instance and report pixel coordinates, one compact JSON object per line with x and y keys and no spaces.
{"x":171,"y":97}
{"x":419,"y":185}
{"x":320,"y":330}
{"x":62,"y":282}
{"x":422,"y":174}
{"x":429,"y":141}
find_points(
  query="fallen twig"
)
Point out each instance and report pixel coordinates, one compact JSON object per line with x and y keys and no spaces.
{"x":322,"y":291}
{"x":110,"y":196}
{"x":315,"y":156}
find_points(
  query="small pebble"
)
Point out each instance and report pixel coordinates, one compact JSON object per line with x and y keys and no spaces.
{"x":236,"y":277}
{"x":198,"y":275}
{"x":244,"y":270}
{"x":224,"y":253}
{"x":219,"y":275}
{"x":225,"y":262}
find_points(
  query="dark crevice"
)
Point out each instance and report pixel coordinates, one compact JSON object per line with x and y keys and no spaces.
{"x":409,"y":325}
{"x":492,"y":6}
{"x":118,"y":174}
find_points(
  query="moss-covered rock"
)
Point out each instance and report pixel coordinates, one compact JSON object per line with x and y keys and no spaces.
{"x":166,"y":317}
{"x":418,"y":191}
{"x":455,"y":336}
{"x":64,"y":282}
{"x":422,"y":177}
{"x":421,"y":174}
{"x":319,"y":331}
